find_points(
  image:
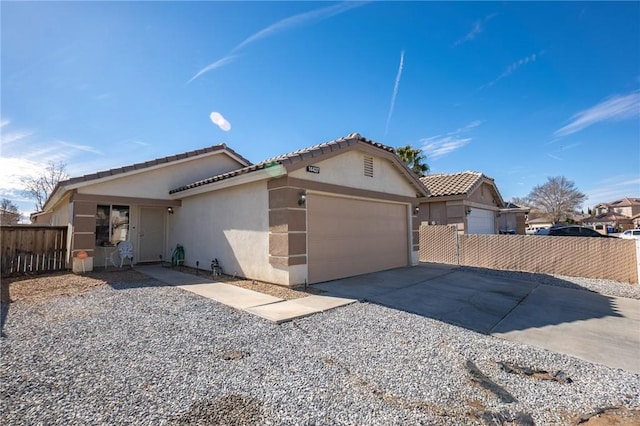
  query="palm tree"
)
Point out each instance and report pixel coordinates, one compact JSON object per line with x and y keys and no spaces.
{"x":413,"y":158}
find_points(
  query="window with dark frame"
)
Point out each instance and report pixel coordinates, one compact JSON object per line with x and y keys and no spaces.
{"x":112,"y":224}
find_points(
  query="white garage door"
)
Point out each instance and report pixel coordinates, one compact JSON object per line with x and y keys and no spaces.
{"x":348,"y":237}
{"x":480,"y":222}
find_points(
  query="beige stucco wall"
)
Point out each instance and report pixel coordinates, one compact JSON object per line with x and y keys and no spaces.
{"x":348,"y":170}
{"x":231,"y":225}
{"x":485,"y":194}
{"x":156,"y":183}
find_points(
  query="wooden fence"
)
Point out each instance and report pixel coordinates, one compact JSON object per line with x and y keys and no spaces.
{"x":28,"y":249}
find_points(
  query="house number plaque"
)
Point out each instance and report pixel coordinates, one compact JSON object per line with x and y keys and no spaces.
{"x":313,"y":169}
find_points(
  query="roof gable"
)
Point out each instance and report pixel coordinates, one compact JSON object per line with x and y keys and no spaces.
{"x":303,"y":157}
{"x":109,"y":175}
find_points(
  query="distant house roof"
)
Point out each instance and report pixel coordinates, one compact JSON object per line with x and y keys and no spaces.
{"x":624,"y":202}
{"x":610,"y":216}
{"x":315,"y":152}
{"x":462,"y":183}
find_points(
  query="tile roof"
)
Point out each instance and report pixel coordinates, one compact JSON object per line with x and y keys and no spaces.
{"x":608,"y":216}
{"x":443,"y":184}
{"x":291,"y":158}
{"x":625,"y":202}
{"x":157,"y":161}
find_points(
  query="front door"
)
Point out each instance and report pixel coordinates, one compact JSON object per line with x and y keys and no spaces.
{"x":151,"y":234}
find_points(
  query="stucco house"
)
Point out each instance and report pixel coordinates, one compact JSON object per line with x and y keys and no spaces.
{"x":628,"y":206}
{"x":470,"y":200}
{"x":609,"y":221}
{"x":337,"y":209}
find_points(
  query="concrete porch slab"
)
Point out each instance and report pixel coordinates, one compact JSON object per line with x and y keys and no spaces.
{"x":298,"y":308}
{"x":231,"y":295}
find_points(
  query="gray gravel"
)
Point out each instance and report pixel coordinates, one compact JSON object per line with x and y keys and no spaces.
{"x":141,"y":353}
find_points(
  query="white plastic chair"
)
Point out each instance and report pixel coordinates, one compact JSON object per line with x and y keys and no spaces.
{"x":125,"y":251}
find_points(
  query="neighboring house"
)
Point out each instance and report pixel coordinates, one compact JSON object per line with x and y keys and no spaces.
{"x":535,"y":223}
{"x":628,"y":206}
{"x":608,"y":222}
{"x":342,"y":208}
{"x":469,"y":200}
{"x":512,"y":219}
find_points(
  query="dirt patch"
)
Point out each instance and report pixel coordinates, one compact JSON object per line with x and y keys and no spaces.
{"x":228,"y":410}
{"x":35,"y":288}
{"x":619,"y":416}
{"x":40,"y":287}
{"x":285,"y":293}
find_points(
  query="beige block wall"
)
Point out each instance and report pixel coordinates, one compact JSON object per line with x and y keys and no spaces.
{"x":605,"y":258}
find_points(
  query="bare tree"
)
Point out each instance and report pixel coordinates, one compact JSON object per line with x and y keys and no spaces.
{"x":9,"y":213}
{"x":40,"y":187}
{"x":413,"y":158}
{"x":559,"y":198}
{"x":521,"y":201}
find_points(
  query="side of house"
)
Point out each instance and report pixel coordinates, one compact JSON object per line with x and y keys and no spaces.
{"x":469,"y":200}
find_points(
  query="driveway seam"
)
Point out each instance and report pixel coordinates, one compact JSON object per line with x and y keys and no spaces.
{"x":490,"y":331}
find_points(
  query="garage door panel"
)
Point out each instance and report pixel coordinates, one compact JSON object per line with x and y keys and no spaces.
{"x":480,"y":221}
{"x":349,"y":237}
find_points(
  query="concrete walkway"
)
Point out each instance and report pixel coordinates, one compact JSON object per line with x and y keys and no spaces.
{"x":584,"y":324}
{"x":265,"y":306}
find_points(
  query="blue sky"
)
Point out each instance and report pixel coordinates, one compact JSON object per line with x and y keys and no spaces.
{"x":518,"y":91}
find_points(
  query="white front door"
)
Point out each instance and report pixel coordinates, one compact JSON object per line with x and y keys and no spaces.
{"x":151,"y":234}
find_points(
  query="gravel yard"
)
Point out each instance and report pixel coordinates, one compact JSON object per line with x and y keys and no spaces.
{"x":127,"y":349}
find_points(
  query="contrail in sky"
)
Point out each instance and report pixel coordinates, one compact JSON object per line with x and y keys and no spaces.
{"x":280,"y":26}
{"x":395,"y":92}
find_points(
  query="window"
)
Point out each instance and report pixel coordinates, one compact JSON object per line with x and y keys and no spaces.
{"x":112,"y":224}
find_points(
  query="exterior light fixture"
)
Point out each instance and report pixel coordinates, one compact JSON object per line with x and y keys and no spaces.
{"x":170,"y":210}
{"x":467,"y":210}
{"x":303,"y":198}
{"x":416,"y":210}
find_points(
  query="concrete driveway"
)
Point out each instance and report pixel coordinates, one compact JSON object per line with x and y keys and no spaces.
{"x":584,"y":324}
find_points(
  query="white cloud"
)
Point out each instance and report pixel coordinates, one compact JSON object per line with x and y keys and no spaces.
{"x":282,"y":25}
{"x":396,"y":86}
{"x":11,"y":137}
{"x":298,"y":20}
{"x":437,"y":146}
{"x":220,"y":121}
{"x":4,"y":122}
{"x":84,"y":148}
{"x":612,"y":189}
{"x":555,"y":157}
{"x":217,"y":64}
{"x":513,"y":67}
{"x":13,"y":170}
{"x":478,"y":27}
{"x":613,"y":108}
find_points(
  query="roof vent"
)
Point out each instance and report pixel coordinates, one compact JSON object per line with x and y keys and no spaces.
{"x":368,"y":166}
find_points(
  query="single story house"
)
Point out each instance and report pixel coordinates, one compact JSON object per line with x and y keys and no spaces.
{"x":470,"y":200}
{"x":333,"y":210}
{"x":512,"y":219}
{"x":610,"y":221}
